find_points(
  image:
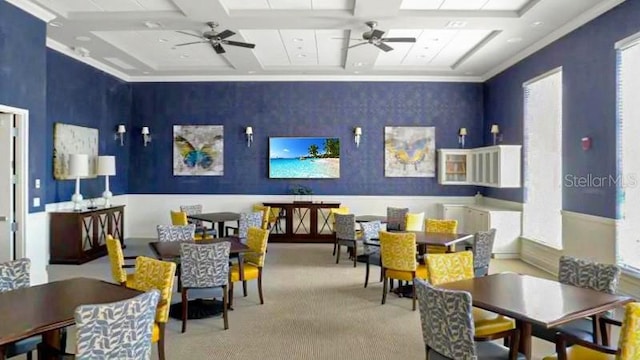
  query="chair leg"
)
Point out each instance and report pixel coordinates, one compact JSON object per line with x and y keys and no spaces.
{"x":230,"y":294}
{"x":366,"y":276}
{"x":338,"y":253}
{"x":381,"y":274}
{"x":413,"y":286}
{"x":185,"y":304}
{"x":384,"y":290}
{"x":161,"y":354}
{"x":244,"y":288}
{"x":30,"y":355}
{"x":225,"y":314}
{"x":335,"y":247}
{"x":354,"y":253}
{"x":260,"y":286}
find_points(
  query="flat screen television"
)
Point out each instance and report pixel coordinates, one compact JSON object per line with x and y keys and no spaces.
{"x":304,"y":157}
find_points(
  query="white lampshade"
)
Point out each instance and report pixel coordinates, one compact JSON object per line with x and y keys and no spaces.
{"x":249,"y":130}
{"x":463,"y":131}
{"x":107,"y":165}
{"x":122,"y":129}
{"x":78,"y":165}
{"x":145,"y":130}
{"x":495,"y":129}
{"x":358,"y":130}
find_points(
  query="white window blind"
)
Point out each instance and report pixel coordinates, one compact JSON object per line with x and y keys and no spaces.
{"x":628,"y":88}
{"x":541,"y":213}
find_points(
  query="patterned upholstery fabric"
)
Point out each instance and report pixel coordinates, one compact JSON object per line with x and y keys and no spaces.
{"x":482,"y":250}
{"x":247,"y":220}
{"x":441,"y":226}
{"x":447,"y":324}
{"x":398,"y":251}
{"x":204,"y":265}
{"x":345,"y":226}
{"x":396,"y":218}
{"x":257,"y":242}
{"x":444,"y":268}
{"x":370,"y":231}
{"x":192,"y":210}
{"x":116,"y":259}
{"x":119,"y":330}
{"x":589,"y":274}
{"x":15,"y":275}
{"x":339,"y":210}
{"x":265,"y":211}
{"x":413,"y":222}
{"x":155,"y":274}
{"x":176,"y":232}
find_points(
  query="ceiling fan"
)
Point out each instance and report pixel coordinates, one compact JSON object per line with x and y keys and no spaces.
{"x":374,"y":37}
{"x":215,"y":39}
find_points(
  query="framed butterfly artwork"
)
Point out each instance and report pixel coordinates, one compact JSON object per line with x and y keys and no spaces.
{"x":409,"y":151}
{"x":198,"y":150}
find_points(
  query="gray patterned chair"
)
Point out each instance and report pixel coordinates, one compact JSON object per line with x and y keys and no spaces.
{"x":176,"y":232}
{"x":346,"y":235}
{"x":371,"y":245}
{"x":247,"y":220}
{"x":585,"y":274}
{"x":204,"y":266}
{"x":396,"y":218}
{"x":200,"y":228}
{"x":482,"y":250}
{"x":447,"y":327}
{"x":118,"y":330}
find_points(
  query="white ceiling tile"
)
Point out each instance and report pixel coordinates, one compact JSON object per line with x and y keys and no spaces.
{"x":330,"y":50}
{"x":332,"y":4}
{"x":462,"y":4}
{"x":462,"y":43}
{"x":245,"y":4}
{"x":269,"y":50}
{"x":156,"y":5}
{"x":421,"y":4}
{"x":290,"y":4}
{"x":301,"y":46}
{"x":512,"y":5}
{"x":118,"y":5}
{"x":66,"y":6}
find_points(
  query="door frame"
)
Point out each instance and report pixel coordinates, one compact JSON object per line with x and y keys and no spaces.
{"x":22,"y":185}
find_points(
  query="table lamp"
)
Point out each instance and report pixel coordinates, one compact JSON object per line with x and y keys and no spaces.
{"x":78,"y":167}
{"x":107,"y":167}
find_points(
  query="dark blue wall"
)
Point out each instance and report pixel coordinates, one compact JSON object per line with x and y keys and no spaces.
{"x":23,"y":83}
{"x":78,"y":94}
{"x":588,"y":59}
{"x":298,"y":109}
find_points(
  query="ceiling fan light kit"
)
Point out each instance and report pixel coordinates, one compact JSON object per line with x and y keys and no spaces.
{"x":215,"y":39}
{"x":375,"y":38}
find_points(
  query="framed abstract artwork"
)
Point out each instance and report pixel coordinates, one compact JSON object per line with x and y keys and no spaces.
{"x":72,"y":139}
{"x":198,"y":150}
{"x":409,"y":151}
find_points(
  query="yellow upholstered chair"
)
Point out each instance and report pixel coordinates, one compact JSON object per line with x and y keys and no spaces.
{"x":266,"y":211}
{"x":628,"y":343}
{"x":116,"y":259}
{"x":439,"y":226}
{"x":444,"y":268}
{"x":253,"y":261}
{"x":398,"y":255}
{"x":413,"y":221}
{"x":156,"y":274}
{"x":180,"y":218}
{"x":332,"y":221}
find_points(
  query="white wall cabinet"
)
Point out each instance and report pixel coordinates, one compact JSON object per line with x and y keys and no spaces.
{"x":491,"y":166}
{"x":474,"y":218}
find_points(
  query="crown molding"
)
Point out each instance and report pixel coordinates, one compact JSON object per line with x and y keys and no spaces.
{"x":303,"y":78}
{"x":582,"y":19}
{"x":33,"y":9}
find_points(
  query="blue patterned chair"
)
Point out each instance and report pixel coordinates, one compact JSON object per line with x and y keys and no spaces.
{"x":396,"y":218}
{"x":200,"y":228}
{"x":585,"y":274}
{"x":346,"y":235}
{"x":482,"y":250}
{"x":176,"y":232}
{"x":447,"y":327}
{"x":247,"y":220}
{"x":204,"y":266}
{"x":371,"y":245}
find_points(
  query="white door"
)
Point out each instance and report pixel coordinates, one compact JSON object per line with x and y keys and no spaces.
{"x":7,"y":188}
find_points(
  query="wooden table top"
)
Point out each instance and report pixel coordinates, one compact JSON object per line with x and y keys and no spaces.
{"x":37,"y":309}
{"x":168,"y":250}
{"x":367,"y":218}
{"x":535,"y":300}
{"x":215,"y":217}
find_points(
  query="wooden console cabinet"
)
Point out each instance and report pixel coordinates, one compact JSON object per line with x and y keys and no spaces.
{"x":80,"y":236}
{"x":304,"y":222}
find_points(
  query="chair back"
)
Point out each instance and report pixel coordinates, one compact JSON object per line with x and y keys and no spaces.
{"x":247,"y":220}
{"x":345,"y":226}
{"x":116,"y":260}
{"x":193,"y":210}
{"x":398,"y":251}
{"x":371,"y":236}
{"x":256,"y":241}
{"x":204,"y":265}
{"x":396,"y":218}
{"x":441,"y":226}
{"x":176,"y":232}
{"x":444,"y":268}
{"x":155,"y":274}
{"x":413,"y":221}
{"x":447,"y":321}
{"x":482,"y":250}
{"x":265,"y":211}
{"x":179,"y":218}
{"x":588,"y":274}
{"x":119,"y":330}
{"x":332,"y":218}
{"x":629,"y":340}
{"x":15,"y":275}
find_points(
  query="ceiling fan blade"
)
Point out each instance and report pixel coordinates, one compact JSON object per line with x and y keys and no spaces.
{"x":218,"y":48}
{"x":399,"y":39}
{"x":236,"y":43}
{"x":190,"y":34}
{"x":377,"y":34}
{"x":191,"y":43}
{"x":362,"y":43}
{"x":225,"y":34}
{"x":383,"y":46}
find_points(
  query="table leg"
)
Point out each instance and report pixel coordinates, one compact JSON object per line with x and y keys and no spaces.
{"x":220,"y":229}
{"x":2,"y":355}
{"x":525,"y":338}
{"x":51,"y":339}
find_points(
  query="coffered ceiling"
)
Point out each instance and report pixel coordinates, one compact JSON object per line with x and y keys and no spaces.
{"x":304,"y":39}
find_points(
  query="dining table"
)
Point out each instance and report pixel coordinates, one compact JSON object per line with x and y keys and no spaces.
{"x":46,"y":309}
{"x":216,"y":218}
{"x":369,"y":218}
{"x":532,"y":300}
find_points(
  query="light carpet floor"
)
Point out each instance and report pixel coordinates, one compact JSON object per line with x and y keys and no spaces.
{"x":314,"y":309}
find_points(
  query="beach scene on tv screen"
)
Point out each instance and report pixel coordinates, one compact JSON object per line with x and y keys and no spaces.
{"x":309,"y":157}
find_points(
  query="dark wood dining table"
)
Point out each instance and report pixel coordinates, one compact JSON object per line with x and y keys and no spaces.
{"x":532,"y":300}
{"x":46,"y":309}
{"x":216,"y":218}
{"x":368,"y":218}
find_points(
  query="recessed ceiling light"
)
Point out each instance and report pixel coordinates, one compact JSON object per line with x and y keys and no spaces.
{"x":358,"y":64}
{"x":468,"y":73}
{"x":298,"y":39}
{"x":537,"y":23}
{"x":145,"y":72}
{"x":514,"y":40}
{"x":435,"y":39}
{"x":83,"y":38}
{"x":55,"y":24}
{"x":422,"y":56}
{"x":426,"y":48}
{"x":184,"y":56}
{"x":300,"y":47}
{"x":163,"y":40}
{"x":251,"y":71}
{"x":80,"y":51}
{"x":456,"y":24}
{"x":356,"y":72}
{"x":301,"y":55}
{"x":152,"y":24}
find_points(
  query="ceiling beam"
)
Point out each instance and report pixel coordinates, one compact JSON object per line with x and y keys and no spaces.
{"x":374,"y":9}
{"x":211,"y":10}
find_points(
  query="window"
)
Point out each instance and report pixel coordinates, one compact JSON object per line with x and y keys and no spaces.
{"x":541,"y":211}
{"x":628,"y":200}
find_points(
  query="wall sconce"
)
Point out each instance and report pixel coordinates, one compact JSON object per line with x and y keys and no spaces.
{"x":357,"y":133}
{"x":495,"y":130}
{"x":120,"y":134}
{"x":146,"y":135}
{"x":586,"y":143}
{"x":462,"y":133}
{"x":249,"y":132}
